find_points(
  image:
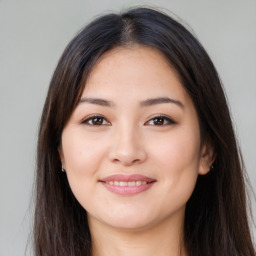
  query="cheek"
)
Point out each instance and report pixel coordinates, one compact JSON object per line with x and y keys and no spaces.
{"x":81,"y":154}
{"x":178,"y":151}
{"x":82,"y":159}
{"x":178,"y":164}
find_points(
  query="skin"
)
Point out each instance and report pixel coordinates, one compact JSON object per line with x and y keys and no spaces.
{"x":128,"y":139}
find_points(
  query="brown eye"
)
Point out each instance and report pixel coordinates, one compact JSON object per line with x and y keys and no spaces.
{"x":160,"y":121}
{"x":96,"y":121}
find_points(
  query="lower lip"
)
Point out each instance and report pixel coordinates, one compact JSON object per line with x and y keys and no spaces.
{"x":127,"y":190}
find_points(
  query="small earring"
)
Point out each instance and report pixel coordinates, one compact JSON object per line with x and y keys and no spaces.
{"x":212,"y":167}
{"x":62,"y":168}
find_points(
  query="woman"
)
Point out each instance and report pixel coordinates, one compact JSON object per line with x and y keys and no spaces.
{"x":137,"y":121}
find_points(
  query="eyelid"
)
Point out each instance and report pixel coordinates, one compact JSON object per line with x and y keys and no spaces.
{"x":90,"y":117}
{"x":167,"y":118}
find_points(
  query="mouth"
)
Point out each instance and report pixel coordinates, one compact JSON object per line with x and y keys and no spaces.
{"x":127,"y":184}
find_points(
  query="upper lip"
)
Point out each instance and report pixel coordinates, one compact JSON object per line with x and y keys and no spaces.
{"x":127,"y":178}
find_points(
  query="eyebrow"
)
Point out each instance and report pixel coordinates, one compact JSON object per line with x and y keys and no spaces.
{"x":145,"y":103}
{"x":160,"y":100}
{"x":96,"y":101}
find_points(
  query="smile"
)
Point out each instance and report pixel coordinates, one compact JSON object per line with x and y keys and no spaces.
{"x":127,"y":184}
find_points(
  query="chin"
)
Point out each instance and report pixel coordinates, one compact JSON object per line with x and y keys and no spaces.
{"x":123,"y":221}
{"x":132,"y":221}
{"x":130,"y":225}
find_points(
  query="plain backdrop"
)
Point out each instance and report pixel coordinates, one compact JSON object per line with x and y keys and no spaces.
{"x":33,"y":35}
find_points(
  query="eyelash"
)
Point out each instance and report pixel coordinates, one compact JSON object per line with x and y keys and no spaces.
{"x":90,"y":118}
{"x":164,"y":120}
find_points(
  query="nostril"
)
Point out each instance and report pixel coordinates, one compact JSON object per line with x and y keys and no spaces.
{"x":127,"y":152}
{"x":136,"y":161}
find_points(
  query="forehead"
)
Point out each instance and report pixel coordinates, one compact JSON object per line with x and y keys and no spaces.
{"x":133,"y":70}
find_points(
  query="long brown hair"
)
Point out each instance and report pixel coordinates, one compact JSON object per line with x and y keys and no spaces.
{"x":216,"y":221}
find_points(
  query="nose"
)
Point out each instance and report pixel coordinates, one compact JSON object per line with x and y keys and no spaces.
{"x":127,"y":148}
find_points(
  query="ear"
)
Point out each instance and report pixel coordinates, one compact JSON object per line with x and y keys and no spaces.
{"x":207,"y":157}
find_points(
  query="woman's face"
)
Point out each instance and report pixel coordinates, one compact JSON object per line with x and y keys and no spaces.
{"x":131,"y":149}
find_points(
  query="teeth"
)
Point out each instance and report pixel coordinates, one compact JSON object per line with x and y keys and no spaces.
{"x":138,"y":183}
{"x":131,"y":183}
{"x":123,"y":184}
{"x":126,"y":184}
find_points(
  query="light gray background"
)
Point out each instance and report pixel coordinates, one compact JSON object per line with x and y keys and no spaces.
{"x":33,"y":35}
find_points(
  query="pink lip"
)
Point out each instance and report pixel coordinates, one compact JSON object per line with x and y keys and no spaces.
{"x":122,"y":177}
{"x":127,"y":190}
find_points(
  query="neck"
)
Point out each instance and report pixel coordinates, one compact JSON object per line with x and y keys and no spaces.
{"x":164,"y":239}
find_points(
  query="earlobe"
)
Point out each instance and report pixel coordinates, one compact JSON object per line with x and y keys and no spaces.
{"x":207,"y":158}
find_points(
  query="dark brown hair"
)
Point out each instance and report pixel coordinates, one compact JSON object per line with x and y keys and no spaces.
{"x":216,"y":221}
